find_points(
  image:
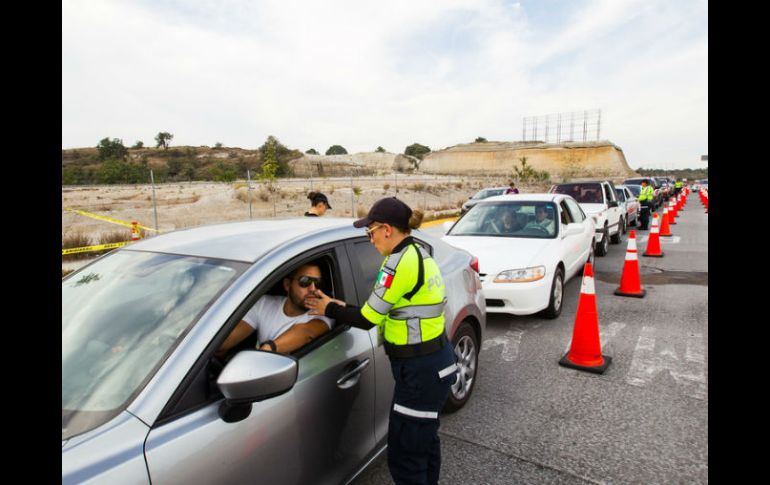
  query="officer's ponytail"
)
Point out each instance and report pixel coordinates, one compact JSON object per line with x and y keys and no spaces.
{"x":416,"y":220}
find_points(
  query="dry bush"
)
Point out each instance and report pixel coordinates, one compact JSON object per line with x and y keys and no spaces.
{"x":386,"y":186}
{"x":459,"y":185}
{"x":76,"y":239}
{"x":417,"y":187}
{"x":361,"y":212}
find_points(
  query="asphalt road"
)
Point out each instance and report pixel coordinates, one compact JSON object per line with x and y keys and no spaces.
{"x":645,"y":420}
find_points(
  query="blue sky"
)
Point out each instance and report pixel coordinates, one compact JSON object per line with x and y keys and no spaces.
{"x":364,"y":74}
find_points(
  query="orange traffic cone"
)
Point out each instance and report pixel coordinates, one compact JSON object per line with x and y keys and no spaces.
{"x":585,"y":352}
{"x":671,"y":213}
{"x":630,"y":280}
{"x":664,"y":229}
{"x":135,"y":236}
{"x":653,"y":244}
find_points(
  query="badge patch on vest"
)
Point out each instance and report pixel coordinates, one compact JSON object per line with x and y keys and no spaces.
{"x":385,"y":278}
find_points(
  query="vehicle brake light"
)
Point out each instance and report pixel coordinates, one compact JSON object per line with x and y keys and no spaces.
{"x":475,"y":264}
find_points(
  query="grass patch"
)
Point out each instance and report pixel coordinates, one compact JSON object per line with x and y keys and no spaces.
{"x":76,"y":239}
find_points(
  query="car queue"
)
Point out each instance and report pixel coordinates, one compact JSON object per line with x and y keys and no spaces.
{"x":144,"y":393}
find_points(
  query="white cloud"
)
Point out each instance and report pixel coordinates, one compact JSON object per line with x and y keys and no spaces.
{"x":364,"y":74}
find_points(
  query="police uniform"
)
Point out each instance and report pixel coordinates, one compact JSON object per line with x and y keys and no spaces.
{"x":645,"y":198}
{"x":407,"y":305}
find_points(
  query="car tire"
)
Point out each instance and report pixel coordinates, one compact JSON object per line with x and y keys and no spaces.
{"x":591,"y":256}
{"x":556,"y":299}
{"x":466,"y":347}
{"x":618,"y":236}
{"x":604,"y":246}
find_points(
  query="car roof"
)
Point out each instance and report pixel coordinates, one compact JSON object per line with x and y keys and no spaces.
{"x":584,"y":182}
{"x":525,"y":198}
{"x":246,"y":240}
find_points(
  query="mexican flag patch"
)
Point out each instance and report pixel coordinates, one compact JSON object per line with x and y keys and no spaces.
{"x":385,"y":278}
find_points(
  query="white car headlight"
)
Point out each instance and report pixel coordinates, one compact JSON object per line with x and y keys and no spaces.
{"x":523,"y":275}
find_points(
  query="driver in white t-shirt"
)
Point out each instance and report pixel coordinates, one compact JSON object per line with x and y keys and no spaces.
{"x":282,"y":323}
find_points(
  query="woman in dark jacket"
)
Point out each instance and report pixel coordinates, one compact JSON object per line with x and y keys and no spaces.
{"x":319,"y":204}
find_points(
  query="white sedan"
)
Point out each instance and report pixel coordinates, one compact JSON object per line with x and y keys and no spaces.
{"x":528,"y":246}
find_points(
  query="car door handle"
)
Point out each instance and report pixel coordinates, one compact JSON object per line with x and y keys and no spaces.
{"x":343,"y":382}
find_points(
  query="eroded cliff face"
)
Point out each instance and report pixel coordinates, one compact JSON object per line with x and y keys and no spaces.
{"x":364,"y":163}
{"x":593,"y":159}
{"x":566,"y":160}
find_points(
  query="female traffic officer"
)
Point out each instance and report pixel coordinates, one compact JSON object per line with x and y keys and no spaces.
{"x":407,"y":305}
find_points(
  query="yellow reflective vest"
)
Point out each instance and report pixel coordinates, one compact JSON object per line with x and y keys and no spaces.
{"x":646,"y":193}
{"x":403,"y":315}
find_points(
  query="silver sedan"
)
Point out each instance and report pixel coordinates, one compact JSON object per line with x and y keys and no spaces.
{"x":144,"y":398}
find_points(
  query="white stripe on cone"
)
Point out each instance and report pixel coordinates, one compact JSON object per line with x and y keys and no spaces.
{"x":631,"y":244}
{"x":588,"y":287}
{"x":632,"y":256}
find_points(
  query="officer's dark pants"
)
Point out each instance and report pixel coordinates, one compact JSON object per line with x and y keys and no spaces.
{"x":644,"y":216}
{"x":414,"y":451}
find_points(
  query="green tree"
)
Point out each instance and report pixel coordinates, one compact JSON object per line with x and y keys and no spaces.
{"x":336,"y":150}
{"x":282,"y":155}
{"x":222,"y":172}
{"x":380,"y":150}
{"x":138,"y":144}
{"x":112,"y":149}
{"x":526,"y":173}
{"x":163,"y":138}
{"x":312,"y":151}
{"x":480,"y":139}
{"x":417,"y":150}
{"x":269,"y":163}
{"x":218,"y":144}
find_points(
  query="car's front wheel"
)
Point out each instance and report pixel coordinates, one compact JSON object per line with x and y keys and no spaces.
{"x":557,"y":293}
{"x":604,"y":246}
{"x":466,"y":345}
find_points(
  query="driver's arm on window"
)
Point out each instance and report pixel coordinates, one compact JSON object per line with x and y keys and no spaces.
{"x":298,"y":335}
{"x":240,"y":332}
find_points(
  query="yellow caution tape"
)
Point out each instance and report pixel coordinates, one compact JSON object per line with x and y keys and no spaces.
{"x":87,"y":249}
{"x":109,"y":219}
{"x":439,"y":221}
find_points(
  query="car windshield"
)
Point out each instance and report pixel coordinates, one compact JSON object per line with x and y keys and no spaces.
{"x":121,"y":318}
{"x":635,"y":189}
{"x":509,"y":219}
{"x":486,"y":193}
{"x":583,"y":193}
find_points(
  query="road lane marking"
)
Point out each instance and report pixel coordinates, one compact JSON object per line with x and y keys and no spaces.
{"x":689,"y":373}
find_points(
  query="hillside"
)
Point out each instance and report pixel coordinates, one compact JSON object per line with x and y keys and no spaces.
{"x":186,"y":163}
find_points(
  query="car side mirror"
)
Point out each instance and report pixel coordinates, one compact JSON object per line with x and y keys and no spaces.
{"x":254,"y":375}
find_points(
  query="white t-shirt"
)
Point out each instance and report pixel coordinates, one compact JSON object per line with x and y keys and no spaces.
{"x":269,"y":320}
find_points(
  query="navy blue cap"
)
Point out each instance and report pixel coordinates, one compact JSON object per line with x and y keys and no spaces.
{"x":389,"y":210}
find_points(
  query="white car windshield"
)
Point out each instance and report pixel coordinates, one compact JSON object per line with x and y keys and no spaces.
{"x":509,"y":219}
{"x":584,"y":193}
{"x":121,"y":317}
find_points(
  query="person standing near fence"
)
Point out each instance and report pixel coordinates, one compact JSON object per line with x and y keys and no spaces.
{"x":319,"y":204}
{"x":511,"y":189}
